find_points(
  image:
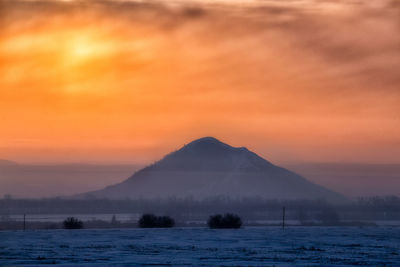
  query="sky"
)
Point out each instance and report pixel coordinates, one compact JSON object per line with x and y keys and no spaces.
{"x":127,"y":82}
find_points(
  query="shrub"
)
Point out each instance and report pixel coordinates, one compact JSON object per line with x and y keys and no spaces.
{"x":329,"y":216}
{"x":152,"y":221}
{"x":226,"y":221}
{"x":72,"y":223}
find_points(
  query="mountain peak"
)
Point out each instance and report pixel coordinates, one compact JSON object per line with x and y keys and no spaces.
{"x":206,"y":144}
{"x":208,"y":153}
{"x":209,"y":141}
{"x":206,"y":140}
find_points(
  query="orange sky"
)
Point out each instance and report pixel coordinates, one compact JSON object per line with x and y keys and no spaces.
{"x":98,"y":81}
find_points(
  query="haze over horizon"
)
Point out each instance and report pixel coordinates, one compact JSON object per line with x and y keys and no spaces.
{"x":55,"y":180}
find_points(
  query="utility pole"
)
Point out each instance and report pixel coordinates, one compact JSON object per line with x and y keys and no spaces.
{"x":283,"y":218}
{"x":24,"y":221}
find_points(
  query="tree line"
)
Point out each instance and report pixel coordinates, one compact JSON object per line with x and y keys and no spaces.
{"x":373,"y":208}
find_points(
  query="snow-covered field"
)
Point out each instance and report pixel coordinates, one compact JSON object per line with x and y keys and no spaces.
{"x":258,"y":246}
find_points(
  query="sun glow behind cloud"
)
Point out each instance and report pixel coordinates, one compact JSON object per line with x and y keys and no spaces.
{"x":94,"y":80}
{"x":80,"y":56}
{"x":82,"y":49}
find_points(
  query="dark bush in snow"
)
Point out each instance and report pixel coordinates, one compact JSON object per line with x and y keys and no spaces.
{"x":72,"y":223}
{"x":226,"y":221}
{"x":329,"y":216}
{"x":151,"y":221}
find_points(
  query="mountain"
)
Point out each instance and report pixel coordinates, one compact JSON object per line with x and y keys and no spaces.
{"x":209,"y":168}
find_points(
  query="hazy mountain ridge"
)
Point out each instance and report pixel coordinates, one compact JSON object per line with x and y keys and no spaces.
{"x":4,"y":163}
{"x":207,"y":168}
{"x":353,"y":179}
{"x":51,"y":180}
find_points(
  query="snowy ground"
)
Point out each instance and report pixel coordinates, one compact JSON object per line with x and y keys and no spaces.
{"x":260,"y":246}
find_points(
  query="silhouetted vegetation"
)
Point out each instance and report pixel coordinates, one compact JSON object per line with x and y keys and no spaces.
{"x":226,"y":221}
{"x":72,"y":223}
{"x":329,"y":216}
{"x":152,"y":221}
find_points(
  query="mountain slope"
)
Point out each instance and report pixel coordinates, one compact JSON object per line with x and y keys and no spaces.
{"x":208,"y":168}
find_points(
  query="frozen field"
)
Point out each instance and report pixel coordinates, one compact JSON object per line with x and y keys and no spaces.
{"x":259,"y":246}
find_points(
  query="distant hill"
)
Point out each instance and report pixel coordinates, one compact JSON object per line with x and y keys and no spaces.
{"x":353,"y":179}
{"x":47,"y":180}
{"x":4,"y":162}
{"x":209,"y":168}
